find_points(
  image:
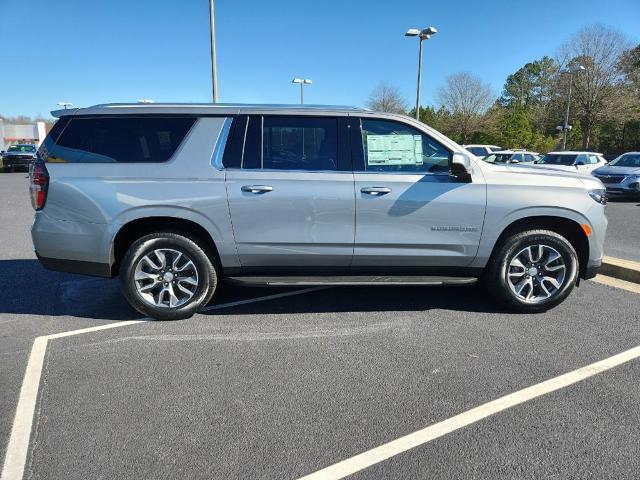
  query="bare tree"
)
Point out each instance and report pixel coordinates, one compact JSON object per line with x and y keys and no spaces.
{"x":467,"y":98}
{"x":386,"y":98}
{"x":598,"y":49}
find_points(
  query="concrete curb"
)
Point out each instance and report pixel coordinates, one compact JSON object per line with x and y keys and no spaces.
{"x":621,"y":269}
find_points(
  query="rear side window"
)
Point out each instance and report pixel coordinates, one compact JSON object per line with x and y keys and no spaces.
{"x":291,"y":143}
{"x":120,"y":139}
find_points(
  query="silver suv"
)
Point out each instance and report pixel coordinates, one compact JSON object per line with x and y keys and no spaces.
{"x":174,"y":198}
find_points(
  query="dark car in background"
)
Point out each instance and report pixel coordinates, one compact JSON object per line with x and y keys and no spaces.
{"x":19,"y":157}
{"x":622,"y":175}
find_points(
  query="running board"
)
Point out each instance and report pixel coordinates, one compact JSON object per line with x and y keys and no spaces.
{"x":356,"y":280}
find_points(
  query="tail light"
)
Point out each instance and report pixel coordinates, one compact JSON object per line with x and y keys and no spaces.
{"x":39,"y":185}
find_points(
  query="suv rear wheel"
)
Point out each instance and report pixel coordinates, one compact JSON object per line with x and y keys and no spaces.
{"x":532,"y":271}
{"x":167,"y":276}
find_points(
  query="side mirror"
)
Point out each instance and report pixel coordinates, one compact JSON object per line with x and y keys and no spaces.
{"x":460,"y":168}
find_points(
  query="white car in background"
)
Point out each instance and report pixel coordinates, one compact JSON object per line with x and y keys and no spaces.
{"x":580,"y":162}
{"x":481,"y":151}
{"x":512,"y":156}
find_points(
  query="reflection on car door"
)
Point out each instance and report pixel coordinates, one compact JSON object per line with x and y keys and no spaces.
{"x":409,"y":211}
{"x":291,"y":195}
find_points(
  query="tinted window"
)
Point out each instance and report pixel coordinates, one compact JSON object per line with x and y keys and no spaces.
{"x":120,"y":139}
{"x":498,"y":158}
{"x":529,"y":158}
{"x":251,"y":157}
{"x":478,"y":151}
{"x":396,"y":147}
{"x":517,"y":157}
{"x":296,"y":143}
{"x":557,"y":159}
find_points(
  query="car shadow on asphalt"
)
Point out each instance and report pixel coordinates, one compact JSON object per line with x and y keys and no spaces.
{"x":29,"y":289}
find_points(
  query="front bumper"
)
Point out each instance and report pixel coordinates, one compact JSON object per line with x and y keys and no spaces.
{"x":592,"y":269}
{"x":9,"y":162}
{"x":628,"y":186}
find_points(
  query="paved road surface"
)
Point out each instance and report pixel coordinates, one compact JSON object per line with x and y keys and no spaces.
{"x":281,"y":388}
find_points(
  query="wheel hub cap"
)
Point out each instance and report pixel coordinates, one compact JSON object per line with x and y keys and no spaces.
{"x":536,"y":273}
{"x":166,"y":278}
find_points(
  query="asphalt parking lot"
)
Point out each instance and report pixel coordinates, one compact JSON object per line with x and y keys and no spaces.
{"x":282,"y":383}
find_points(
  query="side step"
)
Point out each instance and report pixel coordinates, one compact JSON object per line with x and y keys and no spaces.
{"x":356,"y":280}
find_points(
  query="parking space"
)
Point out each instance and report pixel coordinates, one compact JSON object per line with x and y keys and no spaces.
{"x":623,"y":235}
{"x":282,"y":387}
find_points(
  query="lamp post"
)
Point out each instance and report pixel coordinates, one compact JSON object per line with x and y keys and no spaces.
{"x":565,"y":127}
{"x":214,"y":77}
{"x":422,"y":35}
{"x":65,"y":105}
{"x":302,"y":82}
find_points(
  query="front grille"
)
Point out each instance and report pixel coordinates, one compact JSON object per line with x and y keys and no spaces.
{"x":610,"y":178}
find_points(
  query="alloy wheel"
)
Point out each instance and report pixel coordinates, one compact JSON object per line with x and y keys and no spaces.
{"x":166,"y":278}
{"x":536,"y":273}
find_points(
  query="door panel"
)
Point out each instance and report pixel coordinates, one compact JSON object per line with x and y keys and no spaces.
{"x":409,"y":211}
{"x":304,"y":219}
{"x":292,"y":203}
{"x":425,"y":220}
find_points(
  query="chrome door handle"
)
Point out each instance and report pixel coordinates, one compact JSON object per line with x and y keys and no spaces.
{"x":256,"y":188}
{"x":375,"y":191}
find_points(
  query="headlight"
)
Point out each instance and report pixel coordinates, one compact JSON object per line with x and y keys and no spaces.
{"x":599,"y":195}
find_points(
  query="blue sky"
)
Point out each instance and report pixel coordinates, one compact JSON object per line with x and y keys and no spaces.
{"x":89,"y":52}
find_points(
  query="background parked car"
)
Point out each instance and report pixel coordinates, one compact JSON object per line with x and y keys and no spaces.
{"x":512,"y":156}
{"x":622,"y":175}
{"x":481,"y":150}
{"x":19,"y":157}
{"x":581,"y":162}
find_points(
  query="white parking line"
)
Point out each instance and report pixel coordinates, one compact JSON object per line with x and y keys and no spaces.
{"x":420,"y":437}
{"x":18,"y":446}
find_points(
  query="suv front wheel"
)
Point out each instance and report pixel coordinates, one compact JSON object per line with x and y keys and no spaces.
{"x":167,"y":276}
{"x":532,"y":271}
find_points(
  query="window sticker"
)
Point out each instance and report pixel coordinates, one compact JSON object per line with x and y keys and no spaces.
{"x":394,"y":149}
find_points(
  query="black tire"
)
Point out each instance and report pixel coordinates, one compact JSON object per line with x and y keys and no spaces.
{"x":495,"y":275}
{"x":206,"y":274}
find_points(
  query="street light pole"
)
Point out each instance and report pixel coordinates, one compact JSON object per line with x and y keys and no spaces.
{"x":565,"y":127}
{"x":419,"y":79}
{"x":422,"y":35}
{"x":214,"y":77}
{"x":302,"y":82}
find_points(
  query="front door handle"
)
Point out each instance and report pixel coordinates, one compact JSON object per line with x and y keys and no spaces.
{"x":375,"y":191}
{"x":256,"y":188}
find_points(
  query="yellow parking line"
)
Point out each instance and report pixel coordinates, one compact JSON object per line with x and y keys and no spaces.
{"x":614,"y":282}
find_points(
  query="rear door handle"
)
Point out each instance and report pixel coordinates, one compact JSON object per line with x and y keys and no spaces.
{"x":256,"y":188}
{"x":375,"y":191}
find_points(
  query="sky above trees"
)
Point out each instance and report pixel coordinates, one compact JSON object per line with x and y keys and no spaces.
{"x":121,"y":50}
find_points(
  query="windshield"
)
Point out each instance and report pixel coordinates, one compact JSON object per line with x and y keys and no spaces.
{"x":627,"y":160}
{"x":556,"y":159}
{"x":498,"y":157}
{"x":22,"y":148}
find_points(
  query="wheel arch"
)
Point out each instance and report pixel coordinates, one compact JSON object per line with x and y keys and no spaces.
{"x":568,"y":228}
{"x":139,"y":227}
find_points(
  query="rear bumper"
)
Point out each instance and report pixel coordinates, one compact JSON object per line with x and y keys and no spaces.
{"x":75,"y":266}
